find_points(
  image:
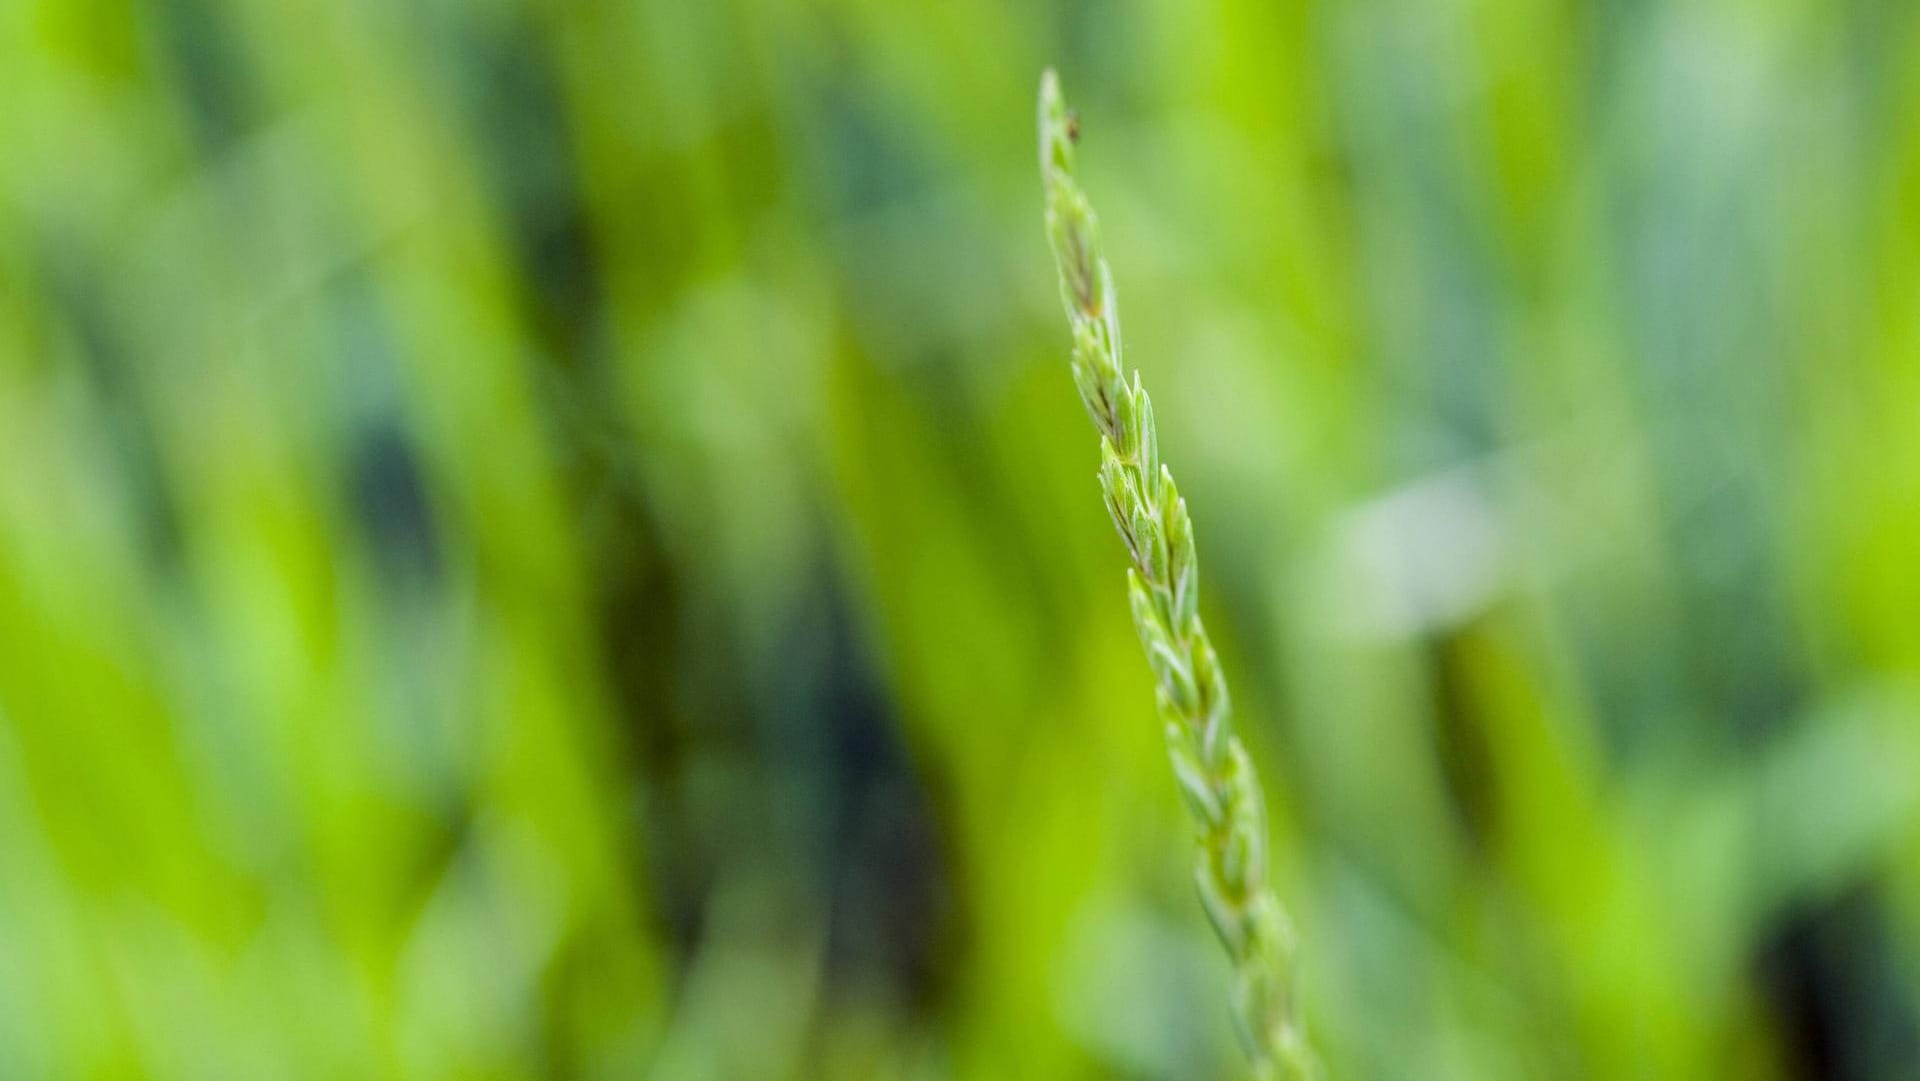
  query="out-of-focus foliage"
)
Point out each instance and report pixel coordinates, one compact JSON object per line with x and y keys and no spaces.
{"x":555,"y":540}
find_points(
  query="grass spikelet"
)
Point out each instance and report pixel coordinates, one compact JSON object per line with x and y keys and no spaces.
{"x":1215,"y":775}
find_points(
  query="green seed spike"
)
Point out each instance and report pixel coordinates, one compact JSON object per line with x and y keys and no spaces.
{"x":1214,"y":773}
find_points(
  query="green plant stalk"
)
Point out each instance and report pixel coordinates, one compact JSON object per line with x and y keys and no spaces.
{"x":1215,"y":774}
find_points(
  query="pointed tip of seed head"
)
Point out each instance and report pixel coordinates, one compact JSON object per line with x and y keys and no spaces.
{"x":1058,"y":127}
{"x":1053,"y":101}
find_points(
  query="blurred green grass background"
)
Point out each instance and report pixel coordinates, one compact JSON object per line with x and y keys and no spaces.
{"x":554,"y":540}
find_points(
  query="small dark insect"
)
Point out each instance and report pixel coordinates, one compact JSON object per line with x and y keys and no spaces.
{"x":1073,"y":125}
